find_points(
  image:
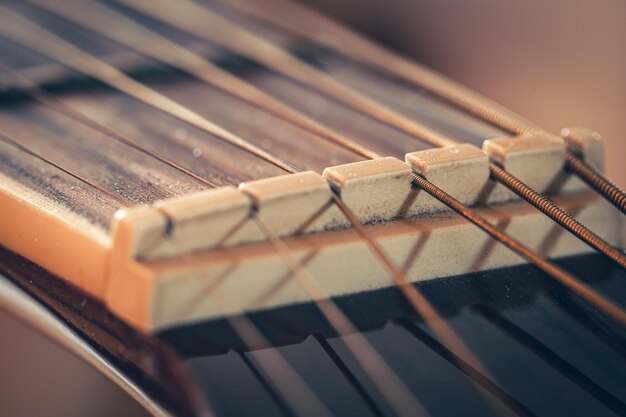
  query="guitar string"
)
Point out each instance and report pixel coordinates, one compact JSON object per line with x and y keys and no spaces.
{"x":483,"y":380}
{"x":32,"y":36}
{"x":596,"y":179}
{"x":557,"y":214}
{"x":52,"y":102}
{"x":349,"y":375}
{"x":211,"y":27}
{"x":244,"y":327}
{"x":584,"y":291}
{"x":249,"y":335}
{"x":253,"y":47}
{"x":384,"y":258}
{"x":197,"y":20}
{"x":289,"y":383}
{"x":395,"y":391}
{"x":305,"y":22}
{"x":399,"y":391}
{"x":544,"y":205}
{"x":519,"y":412}
{"x":280,"y":60}
{"x":276,"y":397}
{"x":98,"y":18}
{"x":308,"y":24}
{"x":55,"y":103}
{"x":277,"y":366}
{"x":412,"y":72}
{"x":477,"y":376}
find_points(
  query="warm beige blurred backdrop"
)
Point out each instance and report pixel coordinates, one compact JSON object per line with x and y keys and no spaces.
{"x":558,"y":62}
{"x":39,"y":379}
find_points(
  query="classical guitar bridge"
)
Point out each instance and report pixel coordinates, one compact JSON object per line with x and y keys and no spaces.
{"x":165,"y":256}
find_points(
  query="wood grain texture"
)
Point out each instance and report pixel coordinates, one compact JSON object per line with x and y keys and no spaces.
{"x":139,"y":179}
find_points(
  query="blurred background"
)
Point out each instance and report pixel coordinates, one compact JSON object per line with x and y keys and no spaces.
{"x":558,"y":63}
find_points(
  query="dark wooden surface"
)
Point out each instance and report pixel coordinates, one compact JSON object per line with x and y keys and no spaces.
{"x":138,"y":178}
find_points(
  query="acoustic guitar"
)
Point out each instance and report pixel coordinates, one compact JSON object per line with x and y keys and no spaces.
{"x":244,"y":208}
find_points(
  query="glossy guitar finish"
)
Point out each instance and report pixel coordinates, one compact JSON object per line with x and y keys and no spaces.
{"x":532,"y":336}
